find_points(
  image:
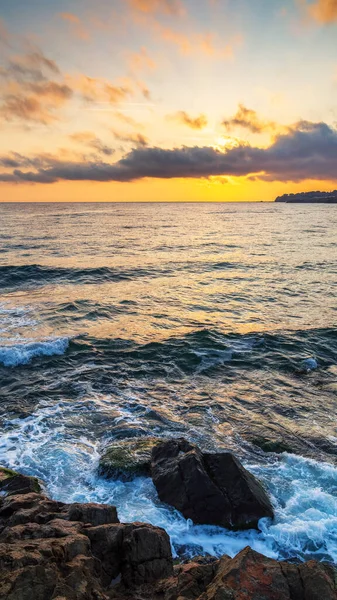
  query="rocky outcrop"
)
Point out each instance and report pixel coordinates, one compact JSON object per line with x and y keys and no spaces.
{"x":212,"y":489}
{"x":127,"y":458}
{"x":248,"y":576}
{"x":55,"y":551}
{"x":251,"y":576}
{"x":50,"y":550}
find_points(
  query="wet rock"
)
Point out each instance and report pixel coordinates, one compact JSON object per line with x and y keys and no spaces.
{"x":277,"y":446}
{"x":128,"y":458}
{"x":212,"y":489}
{"x":251,"y":576}
{"x":14,"y":483}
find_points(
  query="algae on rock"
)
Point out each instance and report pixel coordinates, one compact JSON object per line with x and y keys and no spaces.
{"x":128,"y":458}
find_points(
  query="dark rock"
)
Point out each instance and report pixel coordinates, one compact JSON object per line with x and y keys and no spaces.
{"x":14,"y":483}
{"x":146,"y":554}
{"x":95,"y":514}
{"x":212,"y":489}
{"x":277,"y":446}
{"x":128,"y":458}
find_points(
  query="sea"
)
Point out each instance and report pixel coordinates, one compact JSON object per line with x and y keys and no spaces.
{"x":213,"y":322}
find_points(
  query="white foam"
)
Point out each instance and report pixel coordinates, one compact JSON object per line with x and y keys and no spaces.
{"x":23,"y":353}
{"x":303,"y":491}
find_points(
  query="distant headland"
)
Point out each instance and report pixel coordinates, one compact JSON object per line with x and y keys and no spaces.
{"x":309,"y":197}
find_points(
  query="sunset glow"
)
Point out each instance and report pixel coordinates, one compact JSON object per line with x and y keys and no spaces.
{"x":167,"y":100}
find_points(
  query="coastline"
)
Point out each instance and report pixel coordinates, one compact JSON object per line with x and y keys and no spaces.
{"x":51,"y":550}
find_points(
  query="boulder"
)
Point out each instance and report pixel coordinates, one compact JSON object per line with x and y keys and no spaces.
{"x":128,"y":458}
{"x":15,"y":483}
{"x":213,"y":489}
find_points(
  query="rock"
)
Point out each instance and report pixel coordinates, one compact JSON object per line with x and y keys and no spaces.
{"x":55,"y":551}
{"x":277,"y":446}
{"x":128,"y":458}
{"x":251,"y":576}
{"x":14,"y":483}
{"x":212,"y":489}
{"x":51,"y":550}
{"x":95,"y":514}
{"x":147,"y":554}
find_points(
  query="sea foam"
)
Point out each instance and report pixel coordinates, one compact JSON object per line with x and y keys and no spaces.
{"x":302,"y":490}
{"x":22,"y":353}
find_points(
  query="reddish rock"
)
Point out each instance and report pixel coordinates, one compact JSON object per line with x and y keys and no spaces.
{"x":50,"y":550}
{"x":53,"y":551}
{"x":251,"y":576}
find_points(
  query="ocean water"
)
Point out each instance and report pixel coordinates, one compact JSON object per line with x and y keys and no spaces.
{"x":216,"y":322}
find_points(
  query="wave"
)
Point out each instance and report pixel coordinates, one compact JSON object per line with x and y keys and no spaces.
{"x":34,"y":274}
{"x":14,"y":276}
{"x":23,"y":353}
{"x":200,"y":352}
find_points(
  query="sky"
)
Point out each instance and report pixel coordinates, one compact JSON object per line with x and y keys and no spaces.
{"x":167,"y":100}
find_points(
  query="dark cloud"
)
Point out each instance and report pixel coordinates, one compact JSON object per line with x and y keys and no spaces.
{"x":193,"y":122}
{"x":248,"y":119}
{"x":306,"y":151}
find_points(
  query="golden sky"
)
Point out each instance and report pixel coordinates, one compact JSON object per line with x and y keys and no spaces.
{"x":167,"y":100}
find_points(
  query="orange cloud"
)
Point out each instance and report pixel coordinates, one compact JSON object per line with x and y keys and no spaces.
{"x":93,"y":89}
{"x":323,"y":11}
{"x":28,"y":93}
{"x":137,"y":139}
{"x":76,"y":24}
{"x":169,"y":7}
{"x":128,"y":120}
{"x":141,"y":61}
{"x":248,"y":119}
{"x":193,"y":122}
{"x":87,"y":138}
{"x":202,"y":43}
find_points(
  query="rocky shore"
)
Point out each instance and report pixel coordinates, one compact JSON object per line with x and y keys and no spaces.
{"x":55,"y":551}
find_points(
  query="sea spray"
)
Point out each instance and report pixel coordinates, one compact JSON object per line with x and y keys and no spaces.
{"x":303,"y":491}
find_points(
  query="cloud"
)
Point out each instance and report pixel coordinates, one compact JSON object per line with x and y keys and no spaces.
{"x":30,"y":66}
{"x":77,"y":26}
{"x":89,"y":139}
{"x":193,"y":122}
{"x":28,"y":93}
{"x":306,"y":151}
{"x":248,"y":119}
{"x":206,"y":44}
{"x":168,"y":7}
{"x":94,"y":89}
{"x":128,"y":120}
{"x":137,"y":139}
{"x":323,"y":11}
{"x":141,"y":61}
